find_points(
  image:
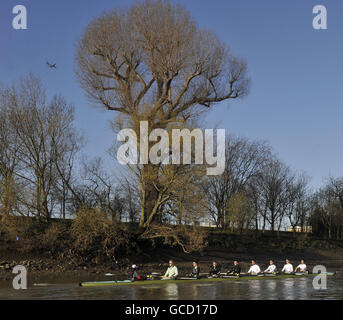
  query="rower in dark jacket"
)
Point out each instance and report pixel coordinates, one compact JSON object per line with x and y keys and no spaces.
{"x":195,"y":270}
{"x":214,"y":270}
{"x":235,"y":270}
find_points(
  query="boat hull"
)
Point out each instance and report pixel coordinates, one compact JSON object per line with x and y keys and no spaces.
{"x":202,"y":280}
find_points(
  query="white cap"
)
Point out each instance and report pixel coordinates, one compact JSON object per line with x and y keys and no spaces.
{"x":134,"y":266}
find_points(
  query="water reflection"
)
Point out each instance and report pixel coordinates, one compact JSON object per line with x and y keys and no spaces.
{"x":254,"y":289}
{"x":172,"y":290}
{"x":288,"y":289}
{"x":271,"y":287}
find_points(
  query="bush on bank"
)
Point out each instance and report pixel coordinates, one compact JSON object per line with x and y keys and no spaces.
{"x":95,"y":236}
{"x":90,"y":237}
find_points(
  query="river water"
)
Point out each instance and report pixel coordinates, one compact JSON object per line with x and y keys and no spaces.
{"x":284,"y":289}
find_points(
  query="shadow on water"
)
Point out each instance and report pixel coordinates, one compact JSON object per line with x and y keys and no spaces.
{"x":282,"y":289}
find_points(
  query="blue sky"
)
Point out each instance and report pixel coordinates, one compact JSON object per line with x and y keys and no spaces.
{"x":296,"y":71}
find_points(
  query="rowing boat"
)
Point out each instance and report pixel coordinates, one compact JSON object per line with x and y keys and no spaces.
{"x":202,"y":280}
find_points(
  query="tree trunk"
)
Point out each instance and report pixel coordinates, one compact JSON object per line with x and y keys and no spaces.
{"x":272,"y":224}
{"x":64,"y":202}
{"x":150,"y":194}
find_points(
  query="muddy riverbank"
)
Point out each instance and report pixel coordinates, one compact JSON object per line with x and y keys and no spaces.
{"x":43,"y":269}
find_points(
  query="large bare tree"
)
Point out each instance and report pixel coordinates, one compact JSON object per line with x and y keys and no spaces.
{"x":152,"y":62}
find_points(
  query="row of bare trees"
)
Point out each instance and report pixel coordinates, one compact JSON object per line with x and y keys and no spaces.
{"x":38,"y":147}
{"x":257,"y":190}
{"x":327,"y":210}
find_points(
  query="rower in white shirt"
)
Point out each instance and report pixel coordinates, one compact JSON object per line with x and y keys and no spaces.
{"x":271,"y":268}
{"x":172,"y":271}
{"x":302,"y":267}
{"x":288,"y":267}
{"x":254,"y":269}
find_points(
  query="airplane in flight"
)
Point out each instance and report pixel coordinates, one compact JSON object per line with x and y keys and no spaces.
{"x":51,"y":65}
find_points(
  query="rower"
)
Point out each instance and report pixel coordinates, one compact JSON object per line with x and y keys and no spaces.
{"x":288,"y":267}
{"x":195,"y":270}
{"x":133,"y":273}
{"x":302,"y":267}
{"x":235,"y":270}
{"x":214,"y":270}
{"x":172,"y":271}
{"x":271,"y":269}
{"x":254,"y":269}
